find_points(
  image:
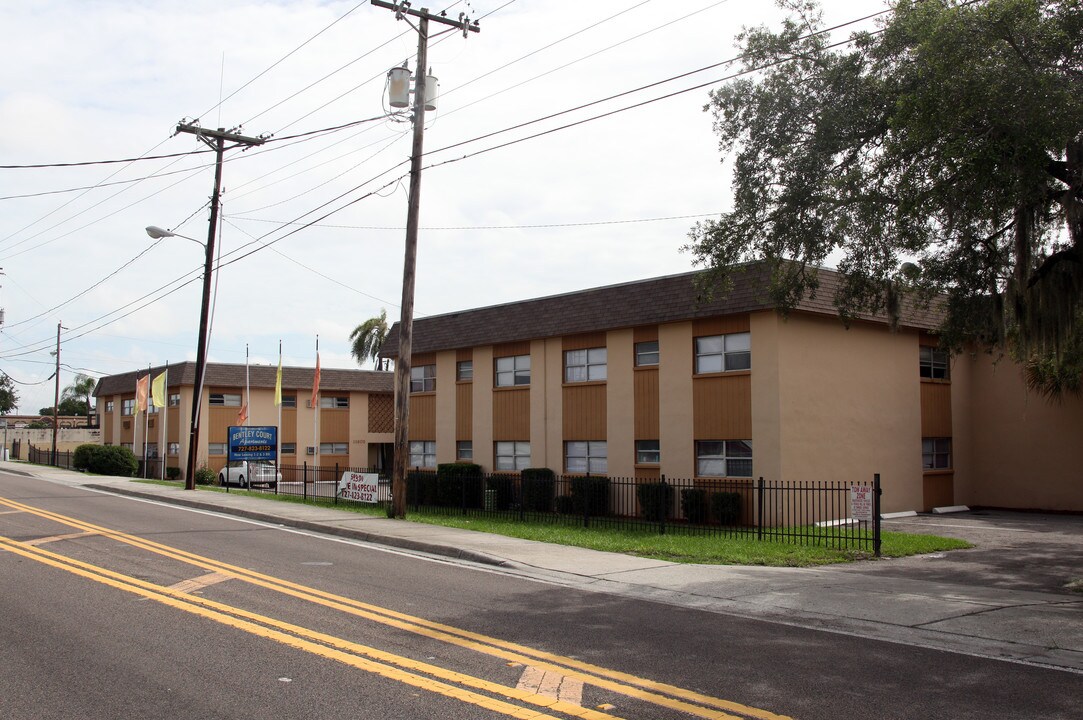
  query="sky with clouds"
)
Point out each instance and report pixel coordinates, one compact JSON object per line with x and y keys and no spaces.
{"x":537,"y":179}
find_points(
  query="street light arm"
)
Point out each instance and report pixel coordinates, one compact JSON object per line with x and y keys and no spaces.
{"x":158,"y":233}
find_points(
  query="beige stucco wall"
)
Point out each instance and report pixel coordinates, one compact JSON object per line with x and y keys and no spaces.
{"x":846,"y":405}
{"x":676,"y":437}
{"x":620,"y":404}
{"x":445,"y":407}
{"x":1026,"y":451}
{"x":482,"y":430}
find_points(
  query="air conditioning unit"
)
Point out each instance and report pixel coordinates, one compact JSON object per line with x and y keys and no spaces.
{"x":150,"y":422}
{"x":127,"y":424}
{"x":308,"y":403}
{"x":310,"y":450}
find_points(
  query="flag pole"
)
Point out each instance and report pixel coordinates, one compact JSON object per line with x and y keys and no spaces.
{"x":163,"y":446}
{"x":278,"y":402}
{"x":146,"y":421}
{"x":247,"y":388}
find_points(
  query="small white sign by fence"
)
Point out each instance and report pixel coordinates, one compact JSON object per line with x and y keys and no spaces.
{"x":861,"y":503}
{"x":359,"y":487}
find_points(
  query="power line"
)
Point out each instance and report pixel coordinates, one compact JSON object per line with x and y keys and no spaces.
{"x":492,"y":227}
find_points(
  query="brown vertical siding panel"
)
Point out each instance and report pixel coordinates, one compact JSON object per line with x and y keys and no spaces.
{"x":422,"y":359}
{"x":648,"y":473}
{"x":509,"y":350}
{"x":335,"y":425}
{"x":464,"y":354}
{"x":645,"y":383}
{"x":584,"y":341}
{"x":464,"y":411}
{"x":173,"y":430}
{"x":423,"y":417}
{"x":935,"y":409}
{"x":584,"y":415}
{"x":722,"y":407}
{"x":511,"y":414}
{"x":288,"y":432}
{"x":646,"y":333}
{"x":220,"y":420}
{"x":721,"y":325}
{"x":107,"y":427}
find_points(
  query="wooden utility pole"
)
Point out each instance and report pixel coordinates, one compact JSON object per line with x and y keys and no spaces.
{"x":216,"y":140}
{"x":56,"y":396}
{"x":406,"y":321}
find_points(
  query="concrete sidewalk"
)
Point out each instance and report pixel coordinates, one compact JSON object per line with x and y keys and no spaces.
{"x":1006,"y":599}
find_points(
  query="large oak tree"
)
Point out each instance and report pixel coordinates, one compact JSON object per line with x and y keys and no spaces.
{"x":940,"y":155}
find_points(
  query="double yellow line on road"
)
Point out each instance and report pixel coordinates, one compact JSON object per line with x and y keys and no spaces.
{"x":662,"y":694}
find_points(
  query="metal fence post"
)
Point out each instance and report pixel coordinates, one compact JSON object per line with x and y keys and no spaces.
{"x":665,"y":506}
{"x":304,"y":481}
{"x":587,"y":499}
{"x":876,"y":514}
{"x":759,"y":510}
{"x":334,"y":487}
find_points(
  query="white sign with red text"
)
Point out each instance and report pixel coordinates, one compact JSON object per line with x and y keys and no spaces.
{"x":359,"y":487}
{"x":861,"y":503}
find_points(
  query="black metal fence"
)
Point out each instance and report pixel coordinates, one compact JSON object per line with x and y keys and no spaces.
{"x":44,"y":456}
{"x":801,"y":513}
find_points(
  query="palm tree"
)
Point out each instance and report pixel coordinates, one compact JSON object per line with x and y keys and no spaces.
{"x":81,"y":388}
{"x":367,"y":338}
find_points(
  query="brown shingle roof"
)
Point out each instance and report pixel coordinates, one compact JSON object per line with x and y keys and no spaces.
{"x":260,"y":376}
{"x":672,"y":298}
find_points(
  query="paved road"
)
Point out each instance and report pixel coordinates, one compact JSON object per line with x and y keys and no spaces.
{"x":73,"y":646}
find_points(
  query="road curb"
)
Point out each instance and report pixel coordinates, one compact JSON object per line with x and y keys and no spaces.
{"x":324,"y":529}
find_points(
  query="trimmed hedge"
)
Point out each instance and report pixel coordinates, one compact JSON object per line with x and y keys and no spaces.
{"x":105,"y":460}
{"x":590,"y":495}
{"x":701,"y":507}
{"x":173,"y":473}
{"x":694,"y":505}
{"x":205,"y":476}
{"x":654,"y":500}
{"x":726,"y":507}
{"x":458,"y":484}
{"x":539,"y":489}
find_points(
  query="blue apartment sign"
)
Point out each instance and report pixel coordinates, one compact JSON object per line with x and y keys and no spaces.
{"x":254,"y":442}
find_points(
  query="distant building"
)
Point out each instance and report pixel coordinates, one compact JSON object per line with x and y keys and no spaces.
{"x":356,"y":414}
{"x":650,"y":378}
{"x":66,"y":421}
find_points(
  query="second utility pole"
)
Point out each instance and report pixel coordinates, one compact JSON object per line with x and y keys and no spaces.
{"x":406,"y":321}
{"x":220,"y":136}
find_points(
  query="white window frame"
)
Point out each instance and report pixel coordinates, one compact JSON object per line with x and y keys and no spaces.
{"x":723,"y":353}
{"x":333,"y":401}
{"x":586,"y":456}
{"x":511,"y":371}
{"x":109,"y":406}
{"x":423,"y":453}
{"x":289,"y":448}
{"x":586,"y":365}
{"x":423,"y":378}
{"x":221,"y":449}
{"x":127,"y":407}
{"x":645,"y":355}
{"x":152,"y":450}
{"x":511,"y":455}
{"x":174,"y":400}
{"x":173,"y":448}
{"x":464,"y":371}
{"x":289,"y":401}
{"x":224,"y":400}
{"x":936,"y":453}
{"x":722,"y":458}
{"x":934,"y":364}
{"x":648,"y":452}
{"x":334,"y":448}
{"x":464,"y":451}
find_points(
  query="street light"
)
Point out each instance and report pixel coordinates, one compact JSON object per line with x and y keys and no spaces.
{"x":201,"y":352}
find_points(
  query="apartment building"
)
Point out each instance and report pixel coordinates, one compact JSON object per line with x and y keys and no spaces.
{"x":657,"y":377}
{"x":355,"y":426}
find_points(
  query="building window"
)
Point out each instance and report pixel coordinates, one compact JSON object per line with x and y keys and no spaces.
{"x":289,"y":448}
{"x":152,"y":450}
{"x":423,"y":453}
{"x":152,"y":409}
{"x":584,"y":365}
{"x":934,"y":363}
{"x":174,"y":399}
{"x":512,"y":455}
{"x":646,"y":353}
{"x":585,"y":456}
{"x":334,"y":448}
{"x":334,"y":402}
{"x":216,"y":448}
{"x":226,"y":399}
{"x":724,"y":458}
{"x":127,"y":407}
{"x":464,"y":451}
{"x":936,"y":453}
{"x":289,"y":401}
{"x":174,"y":448}
{"x":464,"y":371}
{"x":423,"y":378}
{"x":722,"y":353}
{"x":513,"y":370}
{"x":648,"y":452}
{"x":109,"y":406}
